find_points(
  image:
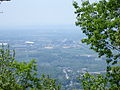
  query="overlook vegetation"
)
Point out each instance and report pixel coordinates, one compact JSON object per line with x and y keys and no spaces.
{"x":100,"y":22}
{"x":21,"y":75}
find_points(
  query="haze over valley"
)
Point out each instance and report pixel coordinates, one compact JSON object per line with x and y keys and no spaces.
{"x":58,"y":51}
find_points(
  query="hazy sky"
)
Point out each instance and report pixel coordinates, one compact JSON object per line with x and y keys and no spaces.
{"x":37,"y":12}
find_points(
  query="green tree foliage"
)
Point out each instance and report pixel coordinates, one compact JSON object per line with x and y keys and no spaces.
{"x":16,"y":75}
{"x":91,"y":82}
{"x":101,"y":82}
{"x":100,"y":22}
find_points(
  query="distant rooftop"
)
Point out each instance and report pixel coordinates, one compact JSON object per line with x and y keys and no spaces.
{"x":3,"y":44}
{"x":29,"y":42}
